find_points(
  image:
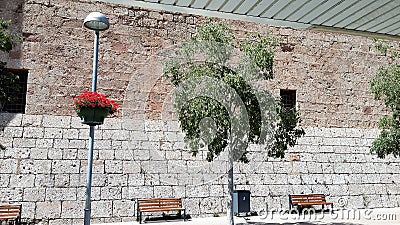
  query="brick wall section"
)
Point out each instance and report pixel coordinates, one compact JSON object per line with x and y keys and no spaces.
{"x":141,"y":153}
{"x":329,"y":71}
{"x":45,"y":163}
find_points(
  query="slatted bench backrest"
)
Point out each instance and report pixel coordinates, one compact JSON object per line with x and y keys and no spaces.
{"x":312,"y":198}
{"x":159,"y":203}
{"x":8,"y":211}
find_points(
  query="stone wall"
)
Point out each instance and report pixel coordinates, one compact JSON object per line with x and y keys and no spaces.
{"x":141,"y":152}
{"x":330,"y":71}
{"x":45,"y":163}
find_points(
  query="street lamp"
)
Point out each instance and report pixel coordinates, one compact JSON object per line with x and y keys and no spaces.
{"x":98,"y":22}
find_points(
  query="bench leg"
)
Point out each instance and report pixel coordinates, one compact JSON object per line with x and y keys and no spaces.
{"x":140,"y":217}
{"x":18,"y":220}
{"x":184,"y":215}
{"x":299,"y":209}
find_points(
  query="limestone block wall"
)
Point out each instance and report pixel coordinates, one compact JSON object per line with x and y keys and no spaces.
{"x":141,"y":152}
{"x":330,"y":71}
{"x":45,"y":162}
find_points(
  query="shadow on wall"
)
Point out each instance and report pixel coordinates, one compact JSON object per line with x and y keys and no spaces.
{"x":13,"y":11}
{"x":5,"y":119}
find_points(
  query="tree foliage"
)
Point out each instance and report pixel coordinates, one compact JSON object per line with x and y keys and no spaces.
{"x":385,"y":86}
{"x":7,"y":79}
{"x":217,"y":104}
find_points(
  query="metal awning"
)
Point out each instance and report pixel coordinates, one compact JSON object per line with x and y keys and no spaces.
{"x":364,"y":17}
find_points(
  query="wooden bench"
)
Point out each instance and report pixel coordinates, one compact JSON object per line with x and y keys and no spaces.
{"x":159,"y":205}
{"x":10,"y":212}
{"x":301,"y":201}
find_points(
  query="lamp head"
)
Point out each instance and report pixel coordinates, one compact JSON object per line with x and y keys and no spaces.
{"x":96,"y":21}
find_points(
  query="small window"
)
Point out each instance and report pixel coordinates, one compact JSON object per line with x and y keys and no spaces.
{"x":288,"y":98}
{"x":16,"y":90}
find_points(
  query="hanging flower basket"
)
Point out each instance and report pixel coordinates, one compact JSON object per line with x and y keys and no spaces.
{"x":93,"y":116}
{"x":93,"y":108}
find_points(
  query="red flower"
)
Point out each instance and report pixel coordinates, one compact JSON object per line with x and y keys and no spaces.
{"x":94,"y":100}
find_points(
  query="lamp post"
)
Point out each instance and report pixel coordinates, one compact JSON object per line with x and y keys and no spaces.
{"x":98,"y":22}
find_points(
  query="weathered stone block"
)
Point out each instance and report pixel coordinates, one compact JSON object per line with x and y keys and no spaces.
{"x":8,"y":166}
{"x":101,"y":208}
{"x":24,"y":143}
{"x":61,"y":194}
{"x":13,"y":132}
{"x":133,"y":125}
{"x":65,"y":166}
{"x":155,"y":136}
{"x":35,"y":166}
{"x":310,"y":179}
{"x":117,"y":180}
{"x":32,"y":121}
{"x":61,"y":143}
{"x":72,"y":209}
{"x":107,"y":154}
{"x":110,"y":193}
{"x":11,"y":195}
{"x":48,"y":210}
{"x":44,"y":180}
{"x":61,"y":180}
{"x":140,"y":192}
{"x":113,"y":166}
{"x":314,"y":167}
{"x":44,"y":143}
{"x":154,"y":125}
{"x":82,"y":144}
{"x":69,"y":133}
{"x":154,"y":167}
{"x":130,"y":167}
{"x":22,"y":180}
{"x":157,"y":155}
{"x":69,"y":153}
{"x":56,"y":121}
{"x":281,"y":167}
{"x":116,"y":134}
{"x":4,"y":180}
{"x":342,"y":168}
{"x":111,"y":124}
{"x":150,"y":145}
{"x":200,"y":191}
{"x":123,"y":208}
{"x":53,"y":132}
{"x":28,"y":210}
{"x":336,"y":189}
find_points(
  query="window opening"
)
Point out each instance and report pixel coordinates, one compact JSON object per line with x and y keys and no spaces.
{"x":288,"y":98}
{"x":16,"y":90}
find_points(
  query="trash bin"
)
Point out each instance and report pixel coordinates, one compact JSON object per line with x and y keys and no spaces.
{"x":241,"y":201}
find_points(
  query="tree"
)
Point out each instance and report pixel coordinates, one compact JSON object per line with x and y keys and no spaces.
{"x":385,"y":85}
{"x":217,"y":102}
{"x":7,"y":79}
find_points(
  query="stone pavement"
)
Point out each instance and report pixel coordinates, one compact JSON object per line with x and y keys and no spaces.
{"x":378,"y":216}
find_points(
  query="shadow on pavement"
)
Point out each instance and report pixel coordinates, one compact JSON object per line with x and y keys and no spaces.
{"x":298,"y":223}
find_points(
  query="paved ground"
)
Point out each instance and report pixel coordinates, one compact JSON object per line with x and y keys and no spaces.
{"x":381,"y":216}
